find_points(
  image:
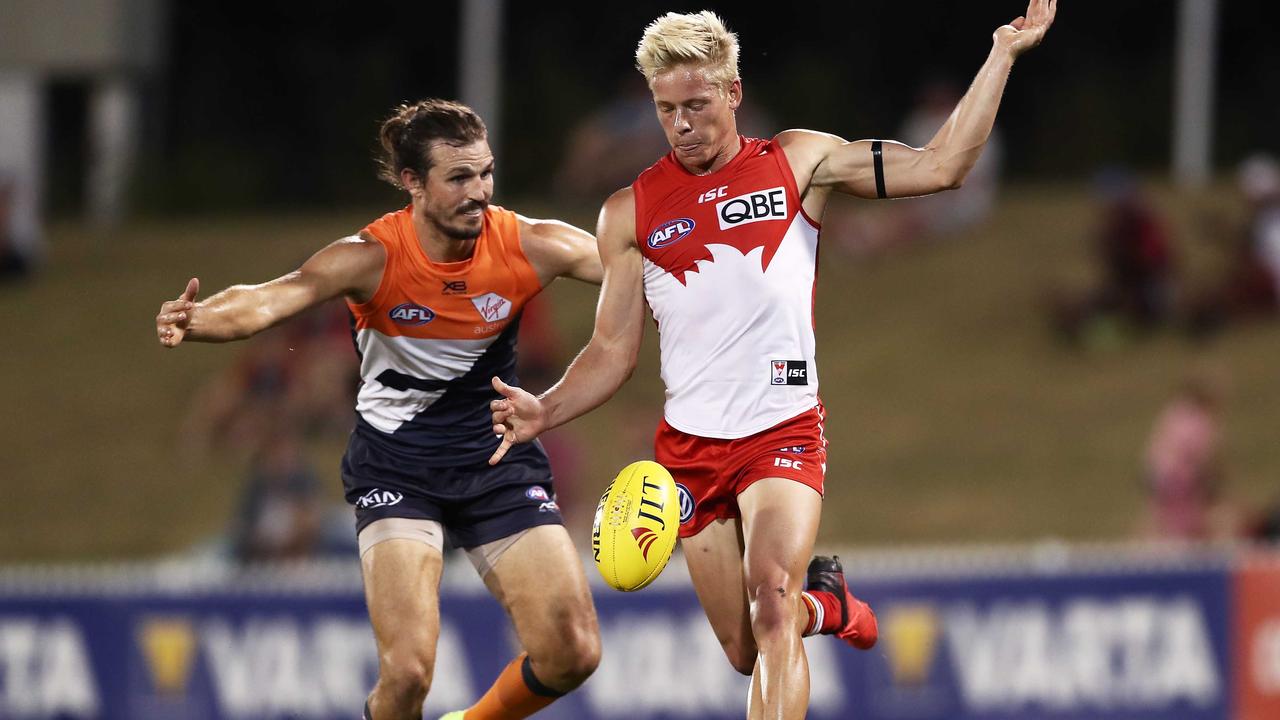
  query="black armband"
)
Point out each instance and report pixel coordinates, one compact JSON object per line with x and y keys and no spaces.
{"x":877,"y":156}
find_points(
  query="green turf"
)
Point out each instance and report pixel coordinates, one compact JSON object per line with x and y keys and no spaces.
{"x":952,"y":414}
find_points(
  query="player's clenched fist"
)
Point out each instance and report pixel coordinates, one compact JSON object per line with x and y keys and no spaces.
{"x":175,"y":315}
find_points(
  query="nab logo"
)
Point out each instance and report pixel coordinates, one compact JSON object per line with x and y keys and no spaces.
{"x":379,"y":498}
{"x":671,"y":232}
{"x":411,"y":314}
{"x":753,"y":207}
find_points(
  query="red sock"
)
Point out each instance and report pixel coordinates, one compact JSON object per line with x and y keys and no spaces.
{"x":824,"y":612}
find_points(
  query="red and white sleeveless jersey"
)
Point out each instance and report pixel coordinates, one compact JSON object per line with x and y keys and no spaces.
{"x":730,"y":262}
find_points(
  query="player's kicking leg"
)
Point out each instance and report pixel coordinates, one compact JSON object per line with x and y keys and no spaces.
{"x":737,"y":575}
{"x":540,"y":582}
{"x":779,"y":523}
{"x":402,"y":583}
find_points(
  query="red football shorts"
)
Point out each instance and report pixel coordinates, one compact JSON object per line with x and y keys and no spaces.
{"x":710,"y":473}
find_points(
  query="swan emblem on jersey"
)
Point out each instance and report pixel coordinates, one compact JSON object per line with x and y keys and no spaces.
{"x":731,"y":214}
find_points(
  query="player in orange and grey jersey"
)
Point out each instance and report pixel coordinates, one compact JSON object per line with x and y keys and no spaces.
{"x":720,"y":239}
{"x":435,"y":292}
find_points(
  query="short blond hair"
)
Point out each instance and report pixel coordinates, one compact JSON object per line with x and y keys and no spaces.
{"x":697,"y":38}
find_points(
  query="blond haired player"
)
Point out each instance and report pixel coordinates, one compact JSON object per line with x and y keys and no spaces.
{"x":435,"y":292}
{"x":720,"y":238}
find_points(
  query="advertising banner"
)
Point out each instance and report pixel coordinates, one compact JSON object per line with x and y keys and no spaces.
{"x":1137,"y":645}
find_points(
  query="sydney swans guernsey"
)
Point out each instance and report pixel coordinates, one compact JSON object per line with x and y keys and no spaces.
{"x":730,"y":263}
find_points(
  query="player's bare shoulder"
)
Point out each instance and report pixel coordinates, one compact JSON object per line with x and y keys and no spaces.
{"x":555,"y":248}
{"x":617,"y":220}
{"x":354,"y":263}
{"x":806,"y":150}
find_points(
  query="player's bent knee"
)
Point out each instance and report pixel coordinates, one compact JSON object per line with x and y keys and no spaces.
{"x":406,"y":675}
{"x":775,"y":611}
{"x":571,"y":661}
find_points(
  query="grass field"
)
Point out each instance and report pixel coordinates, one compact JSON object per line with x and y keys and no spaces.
{"x":953,"y":416}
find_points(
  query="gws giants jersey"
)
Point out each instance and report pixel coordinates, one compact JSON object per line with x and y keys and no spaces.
{"x":730,"y":262}
{"x":433,"y":335}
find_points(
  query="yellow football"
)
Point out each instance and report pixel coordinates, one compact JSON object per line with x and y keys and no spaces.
{"x":636,"y":526}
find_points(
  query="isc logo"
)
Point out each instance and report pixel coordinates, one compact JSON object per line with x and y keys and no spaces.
{"x":671,"y":232}
{"x":753,"y":207}
{"x":411,"y":314}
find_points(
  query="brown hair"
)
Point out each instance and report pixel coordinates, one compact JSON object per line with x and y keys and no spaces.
{"x":407,"y":135}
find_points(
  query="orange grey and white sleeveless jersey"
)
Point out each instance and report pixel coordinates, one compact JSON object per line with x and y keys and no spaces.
{"x":730,"y":264}
{"x":433,"y":335}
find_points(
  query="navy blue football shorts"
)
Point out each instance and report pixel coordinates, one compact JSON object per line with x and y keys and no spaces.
{"x":476,"y":503}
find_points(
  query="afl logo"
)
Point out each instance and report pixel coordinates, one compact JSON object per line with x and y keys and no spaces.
{"x":671,"y":232}
{"x":687,"y":504}
{"x":411,"y":314}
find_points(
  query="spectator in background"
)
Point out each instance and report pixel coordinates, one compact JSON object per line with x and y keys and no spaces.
{"x":302,"y":376}
{"x":909,"y":221}
{"x":1135,"y":265}
{"x":1251,"y":285}
{"x":281,"y":511}
{"x":13,"y":264}
{"x":971,"y":203}
{"x":1183,"y":467}
{"x":1259,"y":180}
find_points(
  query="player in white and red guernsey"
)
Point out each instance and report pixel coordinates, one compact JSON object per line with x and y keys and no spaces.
{"x":720,"y":238}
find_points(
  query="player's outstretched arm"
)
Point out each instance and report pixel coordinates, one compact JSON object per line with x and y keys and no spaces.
{"x":351,"y":266}
{"x":880,"y":169}
{"x":610,"y":356}
{"x":558,"y":249}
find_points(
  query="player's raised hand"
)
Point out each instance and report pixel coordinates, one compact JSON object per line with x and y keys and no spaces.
{"x":1028,"y":30}
{"x":175,"y":315}
{"x":517,"y":417}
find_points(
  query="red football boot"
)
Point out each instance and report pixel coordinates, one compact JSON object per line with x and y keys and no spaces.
{"x":857,"y":621}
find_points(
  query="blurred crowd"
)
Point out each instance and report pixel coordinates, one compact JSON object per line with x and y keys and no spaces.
{"x":1143,"y":283}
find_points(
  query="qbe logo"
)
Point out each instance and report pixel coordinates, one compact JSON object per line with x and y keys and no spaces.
{"x":753,"y":207}
{"x":671,"y":232}
{"x":411,"y":314}
{"x":789,"y":372}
